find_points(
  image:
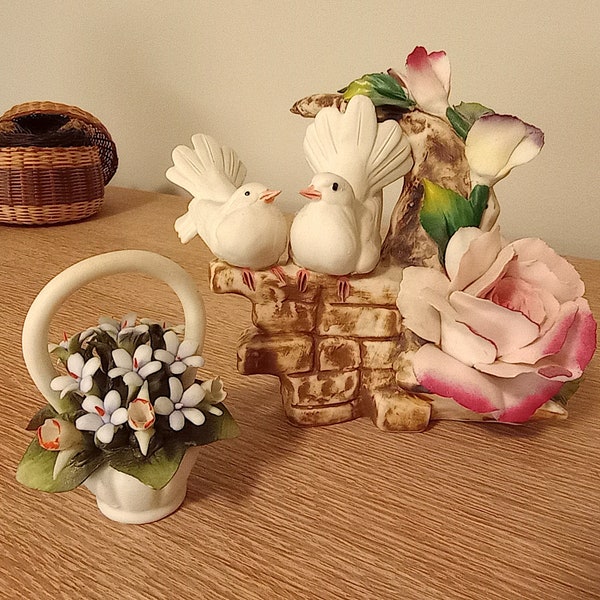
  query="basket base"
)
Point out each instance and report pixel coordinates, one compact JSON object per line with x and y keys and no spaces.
{"x":49,"y":214}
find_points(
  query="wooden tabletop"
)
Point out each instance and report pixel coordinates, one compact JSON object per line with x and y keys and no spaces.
{"x":480,"y":511}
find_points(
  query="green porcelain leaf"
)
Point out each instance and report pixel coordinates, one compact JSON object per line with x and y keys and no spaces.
{"x":37,"y":465}
{"x":566,"y":391}
{"x":444,"y":212}
{"x":463,"y":115}
{"x":155,"y":470}
{"x":381,"y":88}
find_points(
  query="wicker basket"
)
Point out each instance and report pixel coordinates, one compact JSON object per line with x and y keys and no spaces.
{"x":54,"y":163}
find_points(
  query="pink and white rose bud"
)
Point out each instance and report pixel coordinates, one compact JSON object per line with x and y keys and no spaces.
{"x":141,"y":418}
{"x":57,"y":434}
{"x":496,"y":144}
{"x":507,"y":325}
{"x":427,"y":79}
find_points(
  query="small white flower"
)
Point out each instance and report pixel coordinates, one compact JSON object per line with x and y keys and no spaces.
{"x":180,"y":404}
{"x":178,"y":355}
{"x":134,"y":369}
{"x":117,"y":329}
{"x":103,"y":416}
{"x":214,"y":394}
{"x":79,"y":377}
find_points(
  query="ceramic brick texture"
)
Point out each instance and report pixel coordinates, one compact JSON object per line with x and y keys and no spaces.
{"x":336,"y":360}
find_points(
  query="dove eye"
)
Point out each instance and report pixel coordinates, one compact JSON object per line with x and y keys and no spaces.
{"x":246,"y":193}
{"x":334,"y":187}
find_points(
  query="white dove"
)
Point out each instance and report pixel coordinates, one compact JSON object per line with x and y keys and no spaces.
{"x":236,"y":220}
{"x":354,"y":158}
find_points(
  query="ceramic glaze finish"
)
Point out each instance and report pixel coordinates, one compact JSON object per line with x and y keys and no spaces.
{"x":47,"y":302}
{"x":119,"y":496}
{"x":354,"y":158}
{"x":236,"y":220}
{"x":125,"y":499}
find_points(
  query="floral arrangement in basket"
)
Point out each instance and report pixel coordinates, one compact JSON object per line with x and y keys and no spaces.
{"x":125,"y":402}
{"x":504,"y":327}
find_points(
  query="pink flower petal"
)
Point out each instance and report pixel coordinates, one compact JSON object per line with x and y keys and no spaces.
{"x":509,"y":400}
{"x":417,"y":315}
{"x":579,"y":345}
{"x":428,"y":80}
{"x":481,"y":286}
{"x":541,"y":266}
{"x":463,"y":344}
{"x":508,"y":330}
{"x":470,"y":253}
{"x":548,"y":344}
{"x":442,"y":374}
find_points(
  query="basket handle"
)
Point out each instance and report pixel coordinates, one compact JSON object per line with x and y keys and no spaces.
{"x":47,"y":302}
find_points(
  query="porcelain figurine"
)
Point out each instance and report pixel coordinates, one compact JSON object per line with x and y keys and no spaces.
{"x":453,"y":321}
{"x":127,"y":418}
{"x":354,"y":158}
{"x":236,"y":220}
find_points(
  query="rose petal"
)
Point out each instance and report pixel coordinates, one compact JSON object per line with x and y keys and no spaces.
{"x":481,"y":286}
{"x":463,"y":344}
{"x":558,"y":277}
{"x":508,"y":330}
{"x":509,"y":400}
{"x":419,"y":316}
{"x":469,"y":254}
{"x":579,"y":345}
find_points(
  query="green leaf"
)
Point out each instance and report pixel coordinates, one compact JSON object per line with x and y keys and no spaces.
{"x":444,"y":212}
{"x":37,"y":465}
{"x":566,"y":391}
{"x":479,"y":197}
{"x":381,"y":88}
{"x":40,"y":417}
{"x":155,"y":470}
{"x":463,"y":115}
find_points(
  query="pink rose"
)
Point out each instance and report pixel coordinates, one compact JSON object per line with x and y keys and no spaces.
{"x":427,"y":78}
{"x":507,"y":324}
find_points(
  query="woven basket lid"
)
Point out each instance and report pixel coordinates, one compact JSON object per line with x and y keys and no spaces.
{"x":94,"y":130}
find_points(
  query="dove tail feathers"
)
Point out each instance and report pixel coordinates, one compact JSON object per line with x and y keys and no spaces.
{"x":368,"y":154}
{"x":208,"y":170}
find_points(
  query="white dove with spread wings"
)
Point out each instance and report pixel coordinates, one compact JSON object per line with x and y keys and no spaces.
{"x":236,"y":220}
{"x":354,"y":158}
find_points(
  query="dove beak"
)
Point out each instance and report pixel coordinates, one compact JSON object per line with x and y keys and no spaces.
{"x":311,"y":193}
{"x":269,"y":195}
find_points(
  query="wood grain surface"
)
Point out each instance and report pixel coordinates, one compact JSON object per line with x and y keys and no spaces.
{"x":480,"y":511}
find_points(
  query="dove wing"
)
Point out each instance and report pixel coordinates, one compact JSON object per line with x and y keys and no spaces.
{"x":367,"y":154}
{"x":208,"y":171}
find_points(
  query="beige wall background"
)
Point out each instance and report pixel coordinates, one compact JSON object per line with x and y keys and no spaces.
{"x":157,"y":72}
